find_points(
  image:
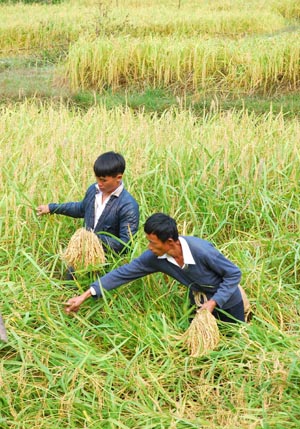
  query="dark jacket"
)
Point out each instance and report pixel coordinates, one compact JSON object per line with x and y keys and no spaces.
{"x":212,"y":273}
{"x":120,"y":217}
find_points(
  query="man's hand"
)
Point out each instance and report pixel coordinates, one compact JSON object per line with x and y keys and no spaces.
{"x":208,"y":305}
{"x":74,"y":303}
{"x":43,"y":209}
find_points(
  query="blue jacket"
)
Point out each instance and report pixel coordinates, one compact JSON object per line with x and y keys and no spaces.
{"x":120,"y":217}
{"x":212,"y":273}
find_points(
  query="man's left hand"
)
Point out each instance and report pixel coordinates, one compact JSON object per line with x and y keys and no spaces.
{"x":208,"y":305}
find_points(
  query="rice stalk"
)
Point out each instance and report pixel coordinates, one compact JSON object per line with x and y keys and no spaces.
{"x":248,"y":65}
{"x":115,"y":360}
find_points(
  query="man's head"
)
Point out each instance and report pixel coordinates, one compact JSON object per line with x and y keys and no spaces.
{"x":161,"y":232}
{"x":109,"y":164}
{"x":109,"y":168}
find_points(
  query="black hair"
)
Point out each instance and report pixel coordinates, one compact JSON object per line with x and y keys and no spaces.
{"x":163,"y":226}
{"x":109,"y":164}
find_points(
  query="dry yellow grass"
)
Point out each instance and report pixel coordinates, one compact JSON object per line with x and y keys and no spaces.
{"x":30,"y":27}
{"x":247,"y":306}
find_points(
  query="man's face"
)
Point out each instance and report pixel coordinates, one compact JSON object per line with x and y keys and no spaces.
{"x":108,"y":184}
{"x":157,"y":246}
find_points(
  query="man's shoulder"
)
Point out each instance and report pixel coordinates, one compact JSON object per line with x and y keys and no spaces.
{"x":126,"y":197}
{"x":193,"y":239}
{"x":195,"y":242}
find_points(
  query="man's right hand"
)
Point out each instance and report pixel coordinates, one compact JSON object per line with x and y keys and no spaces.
{"x":72,"y":306}
{"x":43,"y":209}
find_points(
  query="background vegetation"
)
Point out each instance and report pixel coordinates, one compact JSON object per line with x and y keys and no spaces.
{"x":202,"y":100}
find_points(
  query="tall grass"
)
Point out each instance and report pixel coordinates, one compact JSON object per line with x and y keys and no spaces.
{"x":231,"y":178}
{"x":34,"y":27}
{"x":260,"y":64}
{"x":191,"y":20}
{"x":37,"y":27}
{"x":288,"y":9}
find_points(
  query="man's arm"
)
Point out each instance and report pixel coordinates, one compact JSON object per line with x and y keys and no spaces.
{"x":72,"y":209}
{"x":75,"y":210}
{"x":139,"y":267}
{"x":43,"y":209}
{"x":229,"y":273}
{"x":208,"y":305}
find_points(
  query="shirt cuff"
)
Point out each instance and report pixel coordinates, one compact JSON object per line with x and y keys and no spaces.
{"x":93,"y":292}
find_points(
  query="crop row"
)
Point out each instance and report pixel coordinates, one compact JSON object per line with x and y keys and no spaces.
{"x":247,"y":65}
{"x":43,"y":26}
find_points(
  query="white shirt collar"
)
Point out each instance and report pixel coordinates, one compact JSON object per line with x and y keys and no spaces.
{"x":116,"y":192}
{"x":99,"y":205}
{"x":186,"y":253}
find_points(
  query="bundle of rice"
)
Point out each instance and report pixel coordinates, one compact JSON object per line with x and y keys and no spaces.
{"x":202,"y":334}
{"x":84,"y":249}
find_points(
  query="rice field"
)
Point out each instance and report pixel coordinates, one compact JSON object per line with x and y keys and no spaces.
{"x":36,"y":27}
{"x":248,"y":66}
{"x":224,"y":47}
{"x":29,"y":29}
{"x":232,"y":179}
{"x":229,"y":177}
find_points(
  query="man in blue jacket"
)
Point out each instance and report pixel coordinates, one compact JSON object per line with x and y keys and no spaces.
{"x":108,"y":208}
{"x":193,"y":262}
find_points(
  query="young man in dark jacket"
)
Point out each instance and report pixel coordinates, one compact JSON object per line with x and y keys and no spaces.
{"x":194,"y":262}
{"x":108,"y":208}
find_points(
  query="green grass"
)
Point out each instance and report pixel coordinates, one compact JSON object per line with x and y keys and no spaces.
{"x":21,"y":80}
{"x":160,"y":100}
{"x":226,"y":176}
{"x":224,"y":164}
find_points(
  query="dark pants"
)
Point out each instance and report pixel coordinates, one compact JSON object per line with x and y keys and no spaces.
{"x":232,"y":315}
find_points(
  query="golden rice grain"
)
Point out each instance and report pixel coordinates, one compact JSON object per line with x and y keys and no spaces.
{"x":84,"y":249}
{"x":202,"y":334}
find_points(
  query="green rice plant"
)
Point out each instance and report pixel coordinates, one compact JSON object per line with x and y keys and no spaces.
{"x":229,"y":177}
{"x":261,"y":64}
